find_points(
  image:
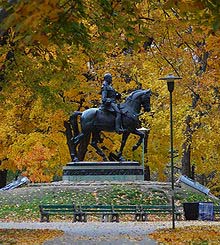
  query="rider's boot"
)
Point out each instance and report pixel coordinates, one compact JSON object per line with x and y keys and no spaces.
{"x":118,"y":124}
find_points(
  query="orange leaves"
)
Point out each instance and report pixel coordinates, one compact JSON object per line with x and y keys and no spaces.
{"x":27,"y":237}
{"x":35,"y":12}
{"x":34,"y":155}
{"x":41,"y":38}
{"x":188,"y":235}
{"x":31,"y":137}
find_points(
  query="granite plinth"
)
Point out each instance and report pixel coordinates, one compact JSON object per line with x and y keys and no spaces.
{"x":103,"y":171}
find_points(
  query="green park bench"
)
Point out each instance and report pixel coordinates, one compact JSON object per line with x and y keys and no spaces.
{"x":55,"y":209}
{"x":158,"y":209}
{"x":108,"y":213}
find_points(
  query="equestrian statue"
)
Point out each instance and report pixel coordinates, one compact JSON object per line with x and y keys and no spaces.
{"x":110,"y":117}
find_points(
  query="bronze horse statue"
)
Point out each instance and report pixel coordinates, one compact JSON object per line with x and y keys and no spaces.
{"x":95,"y":120}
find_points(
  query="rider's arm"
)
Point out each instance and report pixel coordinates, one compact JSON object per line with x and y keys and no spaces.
{"x":104,"y":93}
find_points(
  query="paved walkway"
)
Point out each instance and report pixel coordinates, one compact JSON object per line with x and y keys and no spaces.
{"x":102,"y":233}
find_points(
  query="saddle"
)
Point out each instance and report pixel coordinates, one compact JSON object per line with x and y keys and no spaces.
{"x":105,"y":116}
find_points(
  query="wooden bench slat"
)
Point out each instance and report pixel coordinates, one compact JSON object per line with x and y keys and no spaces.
{"x":126,"y":206}
{"x":95,"y":208}
{"x":58,"y":211}
{"x":96,"y":211}
{"x":57,"y":205}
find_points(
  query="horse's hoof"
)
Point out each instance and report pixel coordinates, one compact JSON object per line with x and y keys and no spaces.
{"x":75,"y":159}
{"x":121,"y":159}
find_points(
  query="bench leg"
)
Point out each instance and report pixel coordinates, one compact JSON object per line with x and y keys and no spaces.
{"x":105,"y":218}
{"x":83,"y":217}
{"x":143,"y":217}
{"x":138,"y":217}
{"x":80,"y":217}
{"x":77,"y":217}
{"x":177,"y":216}
{"x":115,"y":217}
{"x":44,"y":218}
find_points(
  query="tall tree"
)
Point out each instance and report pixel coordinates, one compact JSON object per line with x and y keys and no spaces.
{"x":61,"y":50}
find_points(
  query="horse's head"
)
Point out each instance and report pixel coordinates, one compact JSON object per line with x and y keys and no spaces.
{"x":139,"y":98}
{"x":145,"y":100}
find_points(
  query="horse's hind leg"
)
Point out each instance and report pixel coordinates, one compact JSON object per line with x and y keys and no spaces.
{"x":94,"y":143}
{"x":75,"y":141}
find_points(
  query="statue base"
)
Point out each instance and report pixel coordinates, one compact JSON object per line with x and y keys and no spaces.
{"x":103,"y":171}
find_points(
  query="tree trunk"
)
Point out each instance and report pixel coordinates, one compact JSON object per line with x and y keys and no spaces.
{"x":147,"y":173}
{"x":190,"y":128}
{"x":186,"y":164}
{"x":3,"y":178}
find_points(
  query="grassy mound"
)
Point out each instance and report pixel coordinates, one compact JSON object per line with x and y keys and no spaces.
{"x":23,"y":203}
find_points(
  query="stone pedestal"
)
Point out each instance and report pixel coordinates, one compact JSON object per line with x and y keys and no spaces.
{"x":103,"y":171}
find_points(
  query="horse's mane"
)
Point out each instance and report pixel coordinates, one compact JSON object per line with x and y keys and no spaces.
{"x":133,"y":93}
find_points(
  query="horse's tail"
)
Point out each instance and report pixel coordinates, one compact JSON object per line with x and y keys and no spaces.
{"x":84,"y":138}
{"x":74,"y":122}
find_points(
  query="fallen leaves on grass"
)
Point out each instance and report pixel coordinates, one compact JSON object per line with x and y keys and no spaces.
{"x":27,"y":237}
{"x":188,"y":235}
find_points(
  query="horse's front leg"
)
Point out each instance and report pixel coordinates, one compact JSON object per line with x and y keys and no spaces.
{"x":94,"y":143}
{"x":141,"y":135}
{"x":123,"y":142}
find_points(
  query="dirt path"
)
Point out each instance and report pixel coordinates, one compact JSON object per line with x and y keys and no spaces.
{"x":103,"y":233}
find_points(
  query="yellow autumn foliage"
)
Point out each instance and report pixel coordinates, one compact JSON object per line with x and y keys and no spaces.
{"x":56,"y":71}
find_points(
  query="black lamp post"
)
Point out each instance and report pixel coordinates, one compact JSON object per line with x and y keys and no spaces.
{"x":170,"y":85}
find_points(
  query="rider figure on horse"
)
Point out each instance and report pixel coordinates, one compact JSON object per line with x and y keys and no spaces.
{"x":109,"y":97}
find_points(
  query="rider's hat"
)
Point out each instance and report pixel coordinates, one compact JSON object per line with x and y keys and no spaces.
{"x":108,"y":76}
